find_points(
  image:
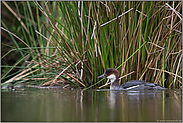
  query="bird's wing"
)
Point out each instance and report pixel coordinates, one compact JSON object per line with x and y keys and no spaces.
{"x":136,"y":83}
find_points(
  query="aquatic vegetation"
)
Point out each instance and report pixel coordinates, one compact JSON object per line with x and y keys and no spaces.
{"x":76,"y":41}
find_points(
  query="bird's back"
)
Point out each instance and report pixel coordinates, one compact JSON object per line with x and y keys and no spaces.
{"x":140,"y":84}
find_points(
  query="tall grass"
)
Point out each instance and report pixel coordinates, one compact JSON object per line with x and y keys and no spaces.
{"x":81,"y":39}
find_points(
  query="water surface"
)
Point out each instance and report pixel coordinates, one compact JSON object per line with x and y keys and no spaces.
{"x":58,"y":105}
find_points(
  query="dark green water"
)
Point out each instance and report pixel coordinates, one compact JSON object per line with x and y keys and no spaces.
{"x":91,"y":105}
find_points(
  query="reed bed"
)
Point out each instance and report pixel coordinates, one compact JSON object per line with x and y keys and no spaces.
{"x":77,"y":41}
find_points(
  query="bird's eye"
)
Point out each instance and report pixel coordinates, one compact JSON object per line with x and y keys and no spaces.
{"x":107,"y":72}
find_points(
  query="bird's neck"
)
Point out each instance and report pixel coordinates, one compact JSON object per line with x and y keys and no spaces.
{"x":115,"y":82}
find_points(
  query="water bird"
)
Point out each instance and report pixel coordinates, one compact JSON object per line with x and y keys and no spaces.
{"x":113,"y":75}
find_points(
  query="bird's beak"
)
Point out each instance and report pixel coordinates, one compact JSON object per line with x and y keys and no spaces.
{"x":102,"y":76}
